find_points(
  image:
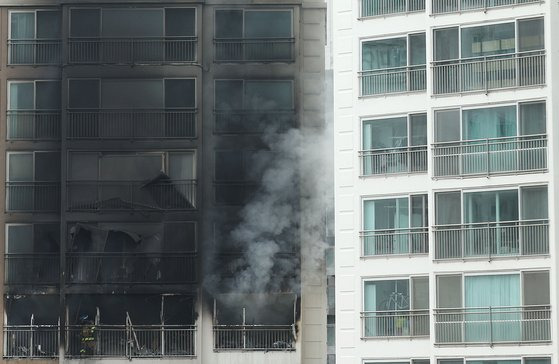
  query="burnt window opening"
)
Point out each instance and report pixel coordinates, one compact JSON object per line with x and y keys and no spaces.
{"x":260,"y":322}
{"x":132,"y":253}
{"x":131,"y":326}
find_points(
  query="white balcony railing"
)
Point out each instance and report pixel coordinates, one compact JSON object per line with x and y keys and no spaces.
{"x":370,"y":8}
{"x":255,"y":50}
{"x":132,"y":341}
{"x":489,"y":73}
{"x":394,"y":160}
{"x":399,"y":323}
{"x":393,"y":80}
{"x":132,"y":50}
{"x":34,"y":52}
{"x":132,"y":124}
{"x":490,"y":156}
{"x":31,"y":341}
{"x":493,"y":325}
{"x":491,"y":239}
{"x":33,"y":124}
{"x":254,"y":337}
{"x":395,"y":241}
{"x":32,"y":196}
{"x":454,"y":6}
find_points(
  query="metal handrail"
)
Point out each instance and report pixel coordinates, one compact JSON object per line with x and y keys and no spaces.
{"x":254,"y":337}
{"x":31,"y":341}
{"x":393,"y":80}
{"x":34,"y":51}
{"x":387,"y":7}
{"x":456,"y":6}
{"x":384,"y":241}
{"x":33,"y":124}
{"x":395,"y":323}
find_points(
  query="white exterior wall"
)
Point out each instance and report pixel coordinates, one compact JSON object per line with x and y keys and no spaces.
{"x":351,"y":189}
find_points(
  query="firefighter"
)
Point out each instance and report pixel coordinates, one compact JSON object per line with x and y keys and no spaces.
{"x":87,"y":339}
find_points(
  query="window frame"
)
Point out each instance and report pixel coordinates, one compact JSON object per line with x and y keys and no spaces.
{"x":33,"y":153}
{"x":244,"y":81}
{"x":407,"y":278}
{"x":408,"y":117}
{"x":34,"y":82}
{"x":408,"y":196}
{"x":34,"y":11}
{"x":249,"y":9}
{"x":406,"y":35}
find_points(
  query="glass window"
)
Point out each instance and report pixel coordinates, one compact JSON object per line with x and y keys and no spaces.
{"x":22,"y":25}
{"x":181,"y":165}
{"x":419,"y":211}
{"x":392,"y":213}
{"x":448,"y":208}
{"x":417,"y":49}
{"x":537,"y":360}
{"x":385,"y":133}
{"x":180,"y":22}
{"x":179,"y":237}
{"x":22,"y":95}
{"x":450,"y":361}
{"x":488,"y":40}
{"x":418,"y":129}
{"x":85,"y":23}
{"x":48,"y":25}
{"x":132,"y":94}
{"x":536,"y":288}
{"x":492,"y":290}
{"x":530,"y":35}
{"x":229,"y":165}
{"x":132,"y":23}
{"x":491,"y":206}
{"x":20,"y":167}
{"x":180,"y":93}
{"x":130,"y":167}
{"x":83,"y":94}
{"x":420,"y":293}
{"x":495,"y":122}
{"x":449,"y":291}
{"x":229,"y":95}
{"x":532,"y":118}
{"x":447,"y":125}
{"x":385,"y":53}
{"x":534,"y":203}
{"x":389,"y":295}
{"x":47,"y":166}
{"x":84,"y":166}
{"x":267,"y":24}
{"x":493,"y":362}
{"x":229,"y":24}
{"x":268,"y":95}
{"x":47,"y":95}
{"x":20,"y":239}
{"x":446,"y":44}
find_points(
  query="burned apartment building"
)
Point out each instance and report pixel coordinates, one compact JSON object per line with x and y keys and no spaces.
{"x":163,"y":180}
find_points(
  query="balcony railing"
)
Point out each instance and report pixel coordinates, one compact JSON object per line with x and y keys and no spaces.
{"x":131,"y":268}
{"x":395,"y":241}
{"x":35,"y":268}
{"x":491,"y":239}
{"x":394,"y":160}
{"x":453,"y":6}
{"x":370,"y":8}
{"x":383,"y":324}
{"x":393,"y":80}
{"x":132,"y":50}
{"x":137,"y":341}
{"x":493,"y":325}
{"x":31,"y":341}
{"x":131,"y":195}
{"x":132,"y":124}
{"x":254,"y":337}
{"x":33,"y":124}
{"x":32,"y":196}
{"x":490,"y":156}
{"x":255,"y":50}
{"x":34,"y":52}
{"x":252,"y":121}
{"x":489,"y":73}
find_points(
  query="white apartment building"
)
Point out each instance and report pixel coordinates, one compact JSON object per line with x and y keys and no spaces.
{"x":445,"y":181}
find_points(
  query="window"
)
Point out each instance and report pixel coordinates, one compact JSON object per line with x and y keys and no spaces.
{"x":395,"y":145}
{"x":253,"y":24}
{"x":501,"y":361}
{"x":396,"y":307}
{"x":514,"y":52}
{"x":393,"y":65}
{"x":34,"y":37}
{"x":395,"y":225}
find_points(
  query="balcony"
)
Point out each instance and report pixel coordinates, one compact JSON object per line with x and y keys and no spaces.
{"x":132,"y":124}
{"x":252,"y":121}
{"x":33,"y":125}
{"x":412,"y":241}
{"x":150,"y":50}
{"x":255,"y":50}
{"x":393,"y":80}
{"x":31,"y":341}
{"x":159,"y":195}
{"x":131,"y":268}
{"x":491,"y":239}
{"x":489,"y":73}
{"x":34,"y":52}
{"x":394,"y":161}
{"x":493,"y":156}
{"x":31,"y":269}
{"x":458,"y":6}
{"x":385,"y":324}
{"x":493,"y":325}
{"x":133,"y":341}
{"x":254,"y":337}
{"x":372,"y":8}
{"x":32,"y":196}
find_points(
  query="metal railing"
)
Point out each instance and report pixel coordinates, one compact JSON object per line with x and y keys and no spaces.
{"x":33,"y":124}
{"x":34,"y":51}
{"x":255,"y":50}
{"x":254,"y":337}
{"x":131,"y":268}
{"x":490,"y":156}
{"x":31,"y":341}
{"x":32,"y":196}
{"x":395,"y":241}
{"x":489,"y":73}
{"x":493,"y":325}
{"x":453,"y":6}
{"x":399,"y":323}
{"x":34,"y":268}
{"x":154,"y":50}
{"x":252,"y":121}
{"x":131,"y":195}
{"x":137,"y":341}
{"x":131,"y":124}
{"x":393,"y":80}
{"x":394,"y":160}
{"x":491,"y":239}
{"x":371,"y":8}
